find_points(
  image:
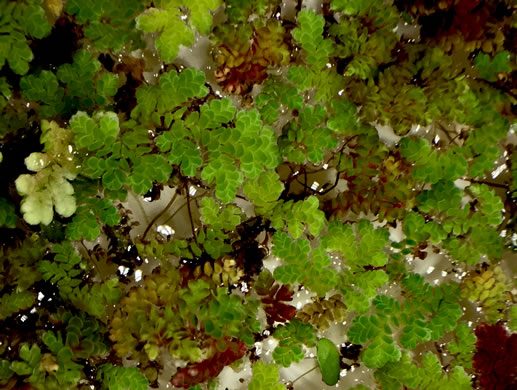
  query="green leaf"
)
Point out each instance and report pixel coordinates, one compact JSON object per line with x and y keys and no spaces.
{"x":491,"y":204}
{"x":379,"y":352}
{"x":512,"y":323}
{"x":85,"y":87}
{"x":45,"y":89}
{"x":83,"y":226}
{"x":15,"y":302}
{"x":382,"y":349}
{"x":31,"y":355}
{"x":298,"y":214}
{"x":228,"y":315}
{"x":178,"y":88}
{"x":94,"y":300}
{"x":368,"y":251}
{"x":174,"y":90}
{"x":18,"y":20}
{"x":106,"y":85}
{"x":297,"y":75}
{"x":64,"y":270}
{"x":109,"y":25}
{"x":288,"y":249}
{"x":490,"y":68}
{"x":463,"y":346}
{"x":226,"y":218}
{"x":35,"y":21}
{"x":258,"y":144}
{"x":417,"y":229}
{"x":196,"y":292}
{"x":344,"y":120}
{"x":309,"y":138}
{"x":21,"y":368}
{"x":240,"y":10}
{"x":428,"y":376}
{"x":291,"y":337}
{"x":176,"y":32}
{"x":122,"y":378}
{"x":264,"y":192}
{"x":8,"y":217}
{"x":415,"y":332}
{"x":265,"y":377}
{"x":350,"y":7}
{"x":227,"y":177}
{"x":309,"y":35}
{"x":216,"y":112}
{"x":97,"y":132}
{"x":187,"y":155}
{"x":415,"y":149}
{"x":328,"y":361}
{"x":146,"y":170}
{"x":85,"y":10}
{"x":315,"y":272}
{"x":5,"y":371}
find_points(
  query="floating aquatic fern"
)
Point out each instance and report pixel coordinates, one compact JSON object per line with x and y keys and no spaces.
{"x":166,"y":216}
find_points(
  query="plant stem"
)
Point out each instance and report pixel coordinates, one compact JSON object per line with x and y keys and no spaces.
{"x":179,"y":208}
{"x":305,"y":373}
{"x":489,"y":183}
{"x":94,"y":261}
{"x":139,"y":204}
{"x":157,"y":216}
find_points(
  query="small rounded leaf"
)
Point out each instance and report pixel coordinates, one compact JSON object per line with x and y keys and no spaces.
{"x":328,"y":360}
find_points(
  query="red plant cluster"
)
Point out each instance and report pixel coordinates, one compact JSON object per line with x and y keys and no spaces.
{"x":471,"y":19}
{"x":238,"y":81}
{"x":496,"y":358}
{"x":242,"y":64}
{"x":195,"y":373}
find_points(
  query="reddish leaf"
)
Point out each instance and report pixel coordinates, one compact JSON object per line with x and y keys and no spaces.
{"x":284,"y":294}
{"x":280,"y":312}
{"x":496,"y":358}
{"x":274,"y":307}
{"x":195,"y":373}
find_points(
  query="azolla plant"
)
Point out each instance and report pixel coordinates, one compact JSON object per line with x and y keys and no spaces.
{"x":286,"y":195}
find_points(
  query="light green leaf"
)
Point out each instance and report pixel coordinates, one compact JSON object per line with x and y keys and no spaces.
{"x":328,"y":361}
{"x":265,"y":377}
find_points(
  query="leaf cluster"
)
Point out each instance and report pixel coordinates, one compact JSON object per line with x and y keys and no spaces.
{"x":265,"y":376}
{"x":168,"y":19}
{"x":425,"y":314}
{"x":363,"y":258}
{"x":448,"y":218}
{"x":19,"y":22}
{"x":495,"y":358}
{"x":291,"y":338}
{"x":80,"y":85}
{"x":108,"y":25}
{"x":488,"y":290}
{"x":427,"y":376}
{"x":122,"y":378}
{"x":66,"y":270}
{"x":59,"y":366}
{"x":322,"y":313}
{"x":312,"y":268}
{"x":161,"y":314}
